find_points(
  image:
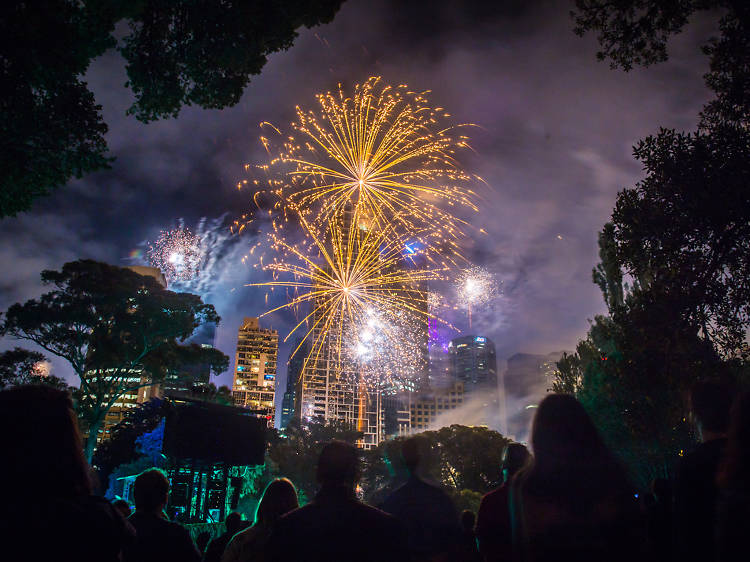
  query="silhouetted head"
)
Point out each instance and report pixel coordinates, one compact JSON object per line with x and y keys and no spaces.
{"x":571,"y":464}
{"x":338,"y":464}
{"x":40,"y":444}
{"x":563,"y":434}
{"x":710,"y":402}
{"x":151,"y":490}
{"x":279,"y":497}
{"x":122,"y":507}
{"x":467,"y":520}
{"x":202,"y":541}
{"x":662,"y":490}
{"x":735,"y":469}
{"x":233,"y":523}
{"x":515,"y":457}
{"x":411,"y":454}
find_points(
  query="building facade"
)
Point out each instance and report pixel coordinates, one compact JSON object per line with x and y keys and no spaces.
{"x":254,"y":384}
{"x":293,"y":373}
{"x":425,"y":409}
{"x":474,"y":362}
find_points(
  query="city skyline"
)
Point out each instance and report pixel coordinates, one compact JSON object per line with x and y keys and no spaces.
{"x":551,"y":153}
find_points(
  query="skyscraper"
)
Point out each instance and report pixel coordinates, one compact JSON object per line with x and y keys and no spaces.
{"x":254,"y":384}
{"x":473,"y":362}
{"x":293,"y":374}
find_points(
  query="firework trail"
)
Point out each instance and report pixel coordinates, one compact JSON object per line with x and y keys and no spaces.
{"x":349,"y":278}
{"x":387,"y":153}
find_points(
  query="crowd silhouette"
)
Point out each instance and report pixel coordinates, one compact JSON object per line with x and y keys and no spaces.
{"x":566,"y":499}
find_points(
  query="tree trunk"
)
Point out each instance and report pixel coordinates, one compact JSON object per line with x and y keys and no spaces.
{"x":90,"y":444}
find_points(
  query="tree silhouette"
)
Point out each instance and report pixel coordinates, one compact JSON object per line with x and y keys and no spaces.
{"x":178,"y":52}
{"x":120,"y":331}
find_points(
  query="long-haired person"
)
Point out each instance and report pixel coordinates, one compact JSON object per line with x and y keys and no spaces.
{"x":279,"y":497}
{"x":733,"y":510}
{"x":573,"y":500}
{"x":48,"y":511}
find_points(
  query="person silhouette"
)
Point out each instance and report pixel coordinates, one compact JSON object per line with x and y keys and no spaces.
{"x":695,"y":492}
{"x":215,"y":549}
{"x":335,"y":526}
{"x":157,"y":539}
{"x":733,"y":506}
{"x":250,"y":545}
{"x":426,"y":512}
{"x":572,"y":501}
{"x":47,"y":496}
{"x":493,"y":520}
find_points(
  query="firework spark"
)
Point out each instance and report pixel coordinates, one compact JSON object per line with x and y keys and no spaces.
{"x":476,"y":286}
{"x":385,"y":152}
{"x":176,"y":253}
{"x":350,"y":278}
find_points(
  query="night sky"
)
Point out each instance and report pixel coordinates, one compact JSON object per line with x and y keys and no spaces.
{"x":554,"y":145}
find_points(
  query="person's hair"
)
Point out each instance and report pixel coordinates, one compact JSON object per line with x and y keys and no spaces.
{"x":735,"y":468}
{"x":338,"y":464}
{"x":150,"y":490}
{"x":570,"y":462}
{"x":515,"y":457}
{"x":662,"y":489}
{"x":233,"y":522}
{"x":279,"y":497}
{"x":122,"y":506}
{"x":468,"y":519}
{"x":410,"y":452}
{"x":41,"y":444}
{"x":710,"y":402}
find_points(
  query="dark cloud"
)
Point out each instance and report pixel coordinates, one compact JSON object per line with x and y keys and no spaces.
{"x":553,"y":144}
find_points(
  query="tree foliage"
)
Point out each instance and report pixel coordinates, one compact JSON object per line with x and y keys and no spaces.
{"x":110,"y":324}
{"x":636,"y":32}
{"x":19,"y":367}
{"x":465,"y":461}
{"x":294,"y":454}
{"x":177,"y":53}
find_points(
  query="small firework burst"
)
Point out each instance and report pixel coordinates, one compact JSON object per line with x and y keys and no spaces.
{"x":476,"y":286}
{"x":176,"y":253}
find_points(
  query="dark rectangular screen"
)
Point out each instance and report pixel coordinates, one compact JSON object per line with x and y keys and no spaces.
{"x":214,"y":433}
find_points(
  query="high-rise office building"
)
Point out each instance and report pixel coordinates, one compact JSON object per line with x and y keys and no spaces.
{"x":293,"y":373}
{"x":254,"y":384}
{"x":473,"y":362}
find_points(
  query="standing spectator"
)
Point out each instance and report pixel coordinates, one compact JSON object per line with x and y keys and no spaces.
{"x":468,"y":547}
{"x":202,"y":540}
{"x":659,"y":511}
{"x":733,"y":508}
{"x":123,"y":508}
{"x":157,"y":539}
{"x":335,"y":526}
{"x":695,"y":491}
{"x":250,"y":545}
{"x":493,"y":519}
{"x":572,"y":501}
{"x":425,"y":511}
{"x":215,"y":549}
{"x":48,"y":511}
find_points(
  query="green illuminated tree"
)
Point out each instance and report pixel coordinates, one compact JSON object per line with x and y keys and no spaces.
{"x":112,"y":325}
{"x":177,"y":52}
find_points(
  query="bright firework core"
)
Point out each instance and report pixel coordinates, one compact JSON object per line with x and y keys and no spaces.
{"x":384,"y":153}
{"x":177,"y":254}
{"x":476,"y":286}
